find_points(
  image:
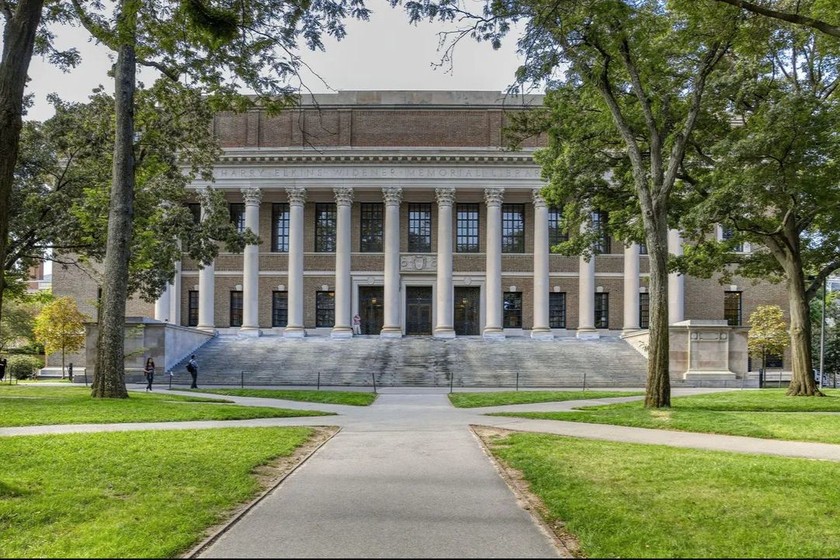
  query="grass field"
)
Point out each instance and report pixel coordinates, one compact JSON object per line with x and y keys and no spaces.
{"x":354,"y":398}
{"x":38,"y":405}
{"x":644,"y":501}
{"x":148,"y":494}
{"x":767,"y":413}
{"x":473,"y":400}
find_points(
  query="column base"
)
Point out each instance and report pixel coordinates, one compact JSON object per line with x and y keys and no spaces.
{"x":444,"y":332}
{"x":250,"y":331}
{"x":493,"y":333}
{"x":542,"y":334}
{"x":391,"y":332}
{"x":208,"y":328}
{"x":294,"y":332}
{"x":587,"y":333}
{"x":629,"y":330}
{"x":341,"y":332}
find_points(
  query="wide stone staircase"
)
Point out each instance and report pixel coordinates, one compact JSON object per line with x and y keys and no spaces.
{"x":416,"y":361}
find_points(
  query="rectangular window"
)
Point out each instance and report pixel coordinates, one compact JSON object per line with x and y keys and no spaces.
{"x":644,"y":310}
{"x":466,"y":226}
{"x":325,"y":309}
{"x":195,"y":210}
{"x":279,"y":309}
{"x":373,"y":227}
{"x":280,"y":227}
{"x":728,"y":233}
{"x":775,"y":361}
{"x":420,"y":228}
{"x":602,"y":310}
{"x":235,"y":308}
{"x":512,"y":305}
{"x":192,"y":308}
{"x":557,"y":310}
{"x":643,"y":249}
{"x":325,"y":224}
{"x":732,"y":308}
{"x":513,"y":228}
{"x":237,"y":216}
{"x":599,"y":226}
{"x":555,"y":232}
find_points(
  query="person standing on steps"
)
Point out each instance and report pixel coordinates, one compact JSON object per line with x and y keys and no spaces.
{"x":357,"y":324}
{"x":192,"y":368}
{"x":149,"y":370}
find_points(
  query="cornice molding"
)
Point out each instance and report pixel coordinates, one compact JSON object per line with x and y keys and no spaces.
{"x":501,"y":158}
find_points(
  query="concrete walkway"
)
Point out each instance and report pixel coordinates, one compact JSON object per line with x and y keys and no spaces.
{"x":406,"y":478}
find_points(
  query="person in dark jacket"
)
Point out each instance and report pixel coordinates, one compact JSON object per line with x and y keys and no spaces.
{"x":192,"y":368}
{"x":149,"y":370}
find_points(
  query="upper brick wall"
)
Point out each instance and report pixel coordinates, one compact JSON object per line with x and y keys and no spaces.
{"x":380,"y":119}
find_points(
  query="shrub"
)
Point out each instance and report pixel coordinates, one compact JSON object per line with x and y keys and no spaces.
{"x":24,"y":367}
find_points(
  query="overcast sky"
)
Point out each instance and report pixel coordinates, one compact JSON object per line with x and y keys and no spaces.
{"x":385,"y":53}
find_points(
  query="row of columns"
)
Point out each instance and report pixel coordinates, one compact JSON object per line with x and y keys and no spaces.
{"x":444,"y":327}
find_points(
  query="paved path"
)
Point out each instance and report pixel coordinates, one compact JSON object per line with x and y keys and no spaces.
{"x":406,"y":478}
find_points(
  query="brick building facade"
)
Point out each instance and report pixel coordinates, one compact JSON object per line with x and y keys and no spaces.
{"x":405,"y":207}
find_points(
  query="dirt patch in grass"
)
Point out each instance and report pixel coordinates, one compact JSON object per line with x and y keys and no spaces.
{"x":269,"y":477}
{"x":566,"y":542}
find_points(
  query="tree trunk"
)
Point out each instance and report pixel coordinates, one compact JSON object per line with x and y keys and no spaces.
{"x":109,"y":373}
{"x":18,"y":44}
{"x":658,"y":386}
{"x":802,"y":377}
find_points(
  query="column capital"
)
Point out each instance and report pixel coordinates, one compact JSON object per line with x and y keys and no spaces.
{"x":297,"y":196}
{"x":343,"y":196}
{"x":445,"y":196}
{"x":392,"y":195}
{"x":252,"y":196}
{"x":494,"y":197}
{"x":539,"y":199}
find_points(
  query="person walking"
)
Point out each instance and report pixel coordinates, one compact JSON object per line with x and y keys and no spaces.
{"x":192,"y":367}
{"x":149,"y":370}
{"x":357,"y":324}
{"x":3,"y":364}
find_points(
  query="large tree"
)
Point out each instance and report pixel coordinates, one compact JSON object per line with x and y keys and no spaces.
{"x":768,"y":170}
{"x":216,"y":49}
{"x":822,"y":15}
{"x":626,"y":83}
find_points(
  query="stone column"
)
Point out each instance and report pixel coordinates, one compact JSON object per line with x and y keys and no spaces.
{"x":540,"y":330}
{"x":294,"y":326}
{"x":343,"y":282}
{"x":391,"y":327}
{"x":163,"y":305}
{"x":676,"y":282}
{"x":206,"y":292}
{"x":175,"y":296}
{"x":493,"y":274}
{"x":586,"y":296}
{"x":631,"y":288}
{"x":251,"y":266}
{"x":445,"y":320}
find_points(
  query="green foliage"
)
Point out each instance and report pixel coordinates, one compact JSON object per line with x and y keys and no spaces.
{"x":768,"y":331}
{"x":18,"y":321}
{"x":473,"y":400}
{"x":60,"y":326}
{"x":352,"y":398}
{"x":24,"y":367}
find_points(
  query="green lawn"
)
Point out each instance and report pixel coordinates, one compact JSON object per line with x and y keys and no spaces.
{"x":472,"y":400}
{"x":128,"y":495}
{"x":627,"y":500}
{"x":34,"y":405}
{"x":767,"y":413}
{"x":353,"y":398}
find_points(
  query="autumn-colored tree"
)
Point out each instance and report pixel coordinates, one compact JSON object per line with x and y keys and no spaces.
{"x":60,"y":326}
{"x":768,"y":334}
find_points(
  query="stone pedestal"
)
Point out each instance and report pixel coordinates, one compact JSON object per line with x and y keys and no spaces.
{"x":701,"y":349}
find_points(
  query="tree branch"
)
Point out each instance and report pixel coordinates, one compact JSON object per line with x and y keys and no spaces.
{"x":170,"y":73}
{"x":797,"y":19}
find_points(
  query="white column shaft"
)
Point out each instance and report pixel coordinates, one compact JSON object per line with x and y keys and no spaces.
{"x":445,"y":296}
{"x":251,"y":265}
{"x":294,"y":327}
{"x":493,"y":272}
{"x":586,"y":296}
{"x":631,"y":287}
{"x":392,"y":327}
{"x":175,"y":296}
{"x":541,"y":251}
{"x":163,"y":305}
{"x":676,"y":282}
{"x":206,"y":294}
{"x":343,"y":282}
